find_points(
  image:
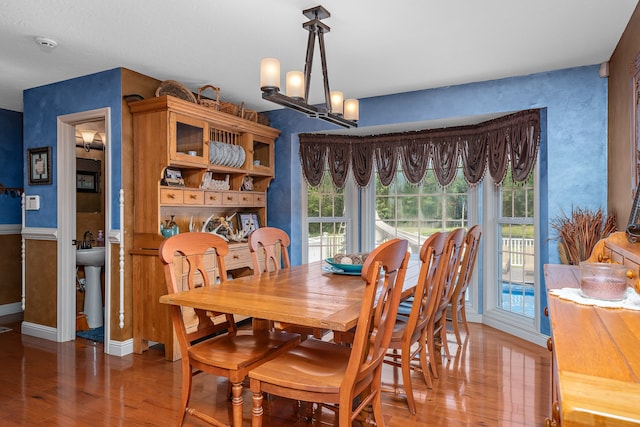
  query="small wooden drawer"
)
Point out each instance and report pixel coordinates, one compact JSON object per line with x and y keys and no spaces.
{"x":238,"y":256}
{"x":230,"y":198}
{"x":259,"y":199}
{"x":213,"y":198}
{"x":171,"y":196}
{"x":633,"y":271}
{"x":193,"y":197}
{"x":245,"y":199}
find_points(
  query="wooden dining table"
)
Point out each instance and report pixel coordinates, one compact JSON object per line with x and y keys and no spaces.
{"x":306,"y":295}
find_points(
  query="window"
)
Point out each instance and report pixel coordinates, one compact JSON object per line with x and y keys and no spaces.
{"x":327,"y":221}
{"x":517,"y":247}
{"x":401,"y":210}
{"x":415,"y":212}
{"x":511,"y":283}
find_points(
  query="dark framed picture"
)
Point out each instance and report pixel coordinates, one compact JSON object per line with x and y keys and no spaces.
{"x":173,"y":177}
{"x":39,"y":165}
{"x":87,"y":182}
{"x":248,"y":221}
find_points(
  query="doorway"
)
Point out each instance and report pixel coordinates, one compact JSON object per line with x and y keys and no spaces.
{"x":66,"y":222}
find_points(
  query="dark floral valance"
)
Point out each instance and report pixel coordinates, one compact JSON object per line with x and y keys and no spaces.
{"x":494,"y":145}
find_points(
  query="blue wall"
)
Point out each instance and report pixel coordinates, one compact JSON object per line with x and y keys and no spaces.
{"x":11,"y":169}
{"x":43,"y":105}
{"x":573,"y":153}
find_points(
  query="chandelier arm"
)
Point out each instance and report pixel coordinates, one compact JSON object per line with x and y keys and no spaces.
{"x":325,"y":73}
{"x":308,"y":61}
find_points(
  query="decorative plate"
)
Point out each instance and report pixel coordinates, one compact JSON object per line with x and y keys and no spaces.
{"x":213,"y":152}
{"x":177,"y":89}
{"x":243,"y":155}
{"x":330,"y":269}
{"x":352,"y":268}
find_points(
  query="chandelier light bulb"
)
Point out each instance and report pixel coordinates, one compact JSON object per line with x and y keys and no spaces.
{"x":295,"y":84}
{"x":351,"y":109}
{"x":337,"y":98}
{"x":270,"y":74}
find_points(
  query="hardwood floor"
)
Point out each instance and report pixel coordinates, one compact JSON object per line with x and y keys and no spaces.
{"x":494,"y":380}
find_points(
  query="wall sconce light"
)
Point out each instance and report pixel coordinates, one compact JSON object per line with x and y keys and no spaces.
{"x":87,"y":138}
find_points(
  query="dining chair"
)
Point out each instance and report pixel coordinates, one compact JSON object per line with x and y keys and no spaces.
{"x":457,"y":308}
{"x":324,"y":372}
{"x":450,"y":264}
{"x":214,"y":348}
{"x":267,"y":240}
{"x":412,"y":329}
{"x":272,"y":241}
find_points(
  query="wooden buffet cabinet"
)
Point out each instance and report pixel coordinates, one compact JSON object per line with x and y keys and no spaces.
{"x":176,"y":134}
{"x":596,"y":351}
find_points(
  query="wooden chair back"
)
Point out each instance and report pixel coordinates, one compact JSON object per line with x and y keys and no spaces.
{"x":424,"y":303}
{"x":467,"y":263}
{"x":194,"y":324}
{"x":267,"y":240}
{"x":377,"y":315}
{"x":410,"y":332}
{"x":450,"y":264}
{"x":469,"y":255}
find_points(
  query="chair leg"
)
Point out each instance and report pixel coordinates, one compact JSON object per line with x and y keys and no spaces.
{"x":236,"y":402}
{"x":395,"y":370}
{"x":454,"y":322}
{"x":187,"y":378}
{"x":424,"y":363}
{"x":463,"y":314}
{"x":443,"y":338}
{"x":256,"y":411}
{"x":406,"y":379}
{"x":431,"y":350}
{"x":376,"y":402}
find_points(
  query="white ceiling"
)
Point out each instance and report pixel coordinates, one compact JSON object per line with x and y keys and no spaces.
{"x":375,"y":47}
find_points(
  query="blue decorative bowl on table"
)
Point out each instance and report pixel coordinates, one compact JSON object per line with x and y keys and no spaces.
{"x":353,"y":269}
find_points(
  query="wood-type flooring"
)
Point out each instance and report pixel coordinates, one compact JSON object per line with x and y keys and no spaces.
{"x":495,"y":379}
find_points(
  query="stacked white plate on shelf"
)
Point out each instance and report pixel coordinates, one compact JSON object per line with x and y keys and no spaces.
{"x":223,"y":154}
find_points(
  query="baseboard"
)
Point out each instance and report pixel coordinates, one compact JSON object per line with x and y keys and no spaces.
{"x":13,"y":308}
{"x":120,"y":348}
{"x":39,"y":331}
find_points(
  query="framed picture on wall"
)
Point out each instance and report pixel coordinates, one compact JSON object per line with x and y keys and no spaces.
{"x":87,"y":181}
{"x":39,"y":165}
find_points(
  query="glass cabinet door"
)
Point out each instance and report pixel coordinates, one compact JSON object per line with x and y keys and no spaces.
{"x":189,"y":141}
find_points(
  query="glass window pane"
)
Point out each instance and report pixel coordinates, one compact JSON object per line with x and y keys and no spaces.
{"x":516,"y":253}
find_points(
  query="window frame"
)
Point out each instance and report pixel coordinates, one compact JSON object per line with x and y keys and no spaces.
{"x":494,"y":316}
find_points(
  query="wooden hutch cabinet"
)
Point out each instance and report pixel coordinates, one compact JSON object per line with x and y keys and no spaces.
{"x":176,"y":134}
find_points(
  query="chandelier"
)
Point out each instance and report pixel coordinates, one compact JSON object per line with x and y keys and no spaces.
{"x":335,"y":110}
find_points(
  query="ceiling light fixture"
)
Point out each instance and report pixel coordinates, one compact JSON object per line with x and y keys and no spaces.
{"x":335,"y":110}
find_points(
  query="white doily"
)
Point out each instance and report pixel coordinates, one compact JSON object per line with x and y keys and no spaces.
{"x":631,"y":301}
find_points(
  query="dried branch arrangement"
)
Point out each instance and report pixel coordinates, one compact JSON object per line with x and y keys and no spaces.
{"x":578,"y":234}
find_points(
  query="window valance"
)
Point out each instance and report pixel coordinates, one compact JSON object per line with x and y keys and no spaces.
{"x":493,"y":145}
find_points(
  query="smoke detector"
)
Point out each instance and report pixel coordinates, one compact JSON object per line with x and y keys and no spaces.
{"x":46,"y":42}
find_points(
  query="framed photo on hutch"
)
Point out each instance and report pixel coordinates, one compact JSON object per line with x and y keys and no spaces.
{"x":39,"y":165}
{"x":248,"y":221}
